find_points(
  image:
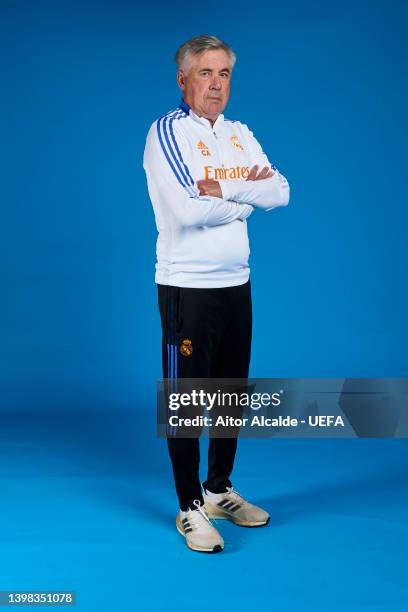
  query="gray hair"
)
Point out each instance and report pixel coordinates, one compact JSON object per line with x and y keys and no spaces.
{"x":198,"y":45}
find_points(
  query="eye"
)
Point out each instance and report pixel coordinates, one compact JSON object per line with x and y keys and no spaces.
{"x":224,"y":75}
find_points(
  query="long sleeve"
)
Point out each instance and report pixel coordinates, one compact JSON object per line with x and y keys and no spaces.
{"x":266,"y":194}
{"x":170,"y":182}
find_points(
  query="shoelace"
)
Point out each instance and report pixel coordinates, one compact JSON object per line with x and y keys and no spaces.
{"x":192,"y":516}
{"x":236,"y":496}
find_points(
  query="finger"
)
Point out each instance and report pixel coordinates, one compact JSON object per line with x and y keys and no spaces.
{"x":206,"y":182}
{"x":213,"y":189}
{"x":252,"y":175}
{"x":217,"y":192}
{"x":263,"y":174}
{"x":202,"y":187}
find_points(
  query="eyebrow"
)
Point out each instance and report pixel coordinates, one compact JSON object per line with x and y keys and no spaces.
{"x":211,"y":70}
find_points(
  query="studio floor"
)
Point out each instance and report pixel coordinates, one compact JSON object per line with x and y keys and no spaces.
{"x":87,"y":505}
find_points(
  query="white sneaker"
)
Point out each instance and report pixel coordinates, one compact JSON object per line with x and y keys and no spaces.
{"x":232,"y":506}
{"x":198,"y":530}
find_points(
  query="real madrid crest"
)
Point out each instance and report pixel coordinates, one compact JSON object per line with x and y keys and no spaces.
{"x":186,"y":347}
{"x":236,"y":143}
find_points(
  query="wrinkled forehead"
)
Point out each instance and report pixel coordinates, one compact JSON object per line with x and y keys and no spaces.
{"x":214,"y":59}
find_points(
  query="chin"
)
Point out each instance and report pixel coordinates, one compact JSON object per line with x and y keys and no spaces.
{"x":215,"y":107}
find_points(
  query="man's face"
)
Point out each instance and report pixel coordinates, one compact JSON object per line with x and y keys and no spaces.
{"x":206,"y":83}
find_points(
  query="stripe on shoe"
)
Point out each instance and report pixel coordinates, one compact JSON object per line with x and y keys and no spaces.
{"x":229,"y":505}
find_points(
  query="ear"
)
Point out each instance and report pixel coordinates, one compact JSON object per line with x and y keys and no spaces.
{"x":180,"y":79}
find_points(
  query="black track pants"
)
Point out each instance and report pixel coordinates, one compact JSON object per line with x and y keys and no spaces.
{"x":218,"y":323}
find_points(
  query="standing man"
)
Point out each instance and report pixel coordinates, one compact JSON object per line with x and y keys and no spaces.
{"x":205,"y":176}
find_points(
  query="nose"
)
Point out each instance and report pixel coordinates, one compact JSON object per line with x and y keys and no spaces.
{"x":216,"y":83}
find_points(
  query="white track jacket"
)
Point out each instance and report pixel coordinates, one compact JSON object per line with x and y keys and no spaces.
{"x":203,"y":241}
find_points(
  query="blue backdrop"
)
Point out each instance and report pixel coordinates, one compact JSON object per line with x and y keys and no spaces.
{"x":324,"y":88}
{"x":322,"y":85}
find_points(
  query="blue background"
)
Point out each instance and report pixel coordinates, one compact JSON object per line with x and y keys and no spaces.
{"x":89,"y":500}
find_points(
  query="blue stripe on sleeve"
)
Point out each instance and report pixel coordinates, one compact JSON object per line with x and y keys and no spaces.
{"x":159,"y":125}
{"x":186,"y":182}
{"x":186,"y":171}
{"x":168,"y":128}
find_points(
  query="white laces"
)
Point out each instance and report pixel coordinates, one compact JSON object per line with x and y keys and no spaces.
{"x":196,"y":517}
{"x":236,"y":496}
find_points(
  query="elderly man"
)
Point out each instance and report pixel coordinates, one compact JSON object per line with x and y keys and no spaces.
{"x":206,"y":175}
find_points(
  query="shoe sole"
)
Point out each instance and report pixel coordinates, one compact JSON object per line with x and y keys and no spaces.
{"x":217,"y":548}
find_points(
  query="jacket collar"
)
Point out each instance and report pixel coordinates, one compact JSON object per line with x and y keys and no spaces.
{"x":217,"y":123}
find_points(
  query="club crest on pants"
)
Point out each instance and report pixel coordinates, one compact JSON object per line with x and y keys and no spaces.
{"x":186,"y":347}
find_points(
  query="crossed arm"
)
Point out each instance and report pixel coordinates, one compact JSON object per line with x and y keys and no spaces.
{"x":265,"y":189}
{"x":213,"y":188}
{"x":206,"y":203}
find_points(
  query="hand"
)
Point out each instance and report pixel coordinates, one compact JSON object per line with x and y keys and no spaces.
{"x":210,"y":188}
{"x":265,"y":173}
